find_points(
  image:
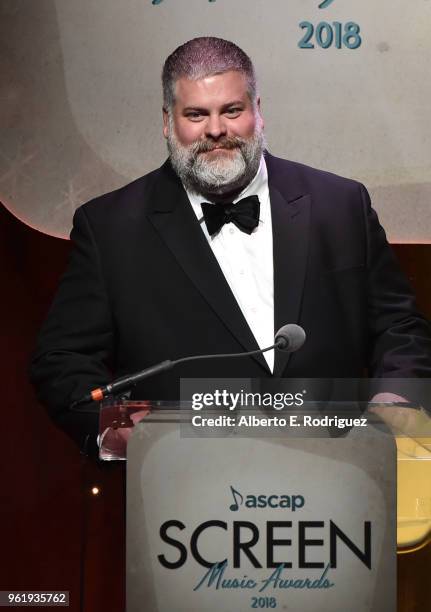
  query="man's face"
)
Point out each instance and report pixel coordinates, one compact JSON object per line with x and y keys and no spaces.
{"x":214,"y":133}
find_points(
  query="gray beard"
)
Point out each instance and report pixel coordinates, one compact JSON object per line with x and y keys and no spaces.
{"x":221,"y":176}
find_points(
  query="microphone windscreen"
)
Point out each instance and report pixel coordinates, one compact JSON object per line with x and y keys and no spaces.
{"x":290,"y":338}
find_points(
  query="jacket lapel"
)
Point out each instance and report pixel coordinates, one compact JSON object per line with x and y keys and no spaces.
{"x":290,"y":211}
{"x":172,"y":216}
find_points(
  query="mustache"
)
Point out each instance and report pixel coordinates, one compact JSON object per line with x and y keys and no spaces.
{"x":230,"y":142}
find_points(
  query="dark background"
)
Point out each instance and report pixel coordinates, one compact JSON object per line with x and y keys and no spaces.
{"x":53,"y":529}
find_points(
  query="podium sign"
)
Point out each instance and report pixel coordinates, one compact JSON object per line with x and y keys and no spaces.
{"x":232,"y":524}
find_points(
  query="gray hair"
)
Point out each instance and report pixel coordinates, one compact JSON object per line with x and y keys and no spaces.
{"x":202,"y":57}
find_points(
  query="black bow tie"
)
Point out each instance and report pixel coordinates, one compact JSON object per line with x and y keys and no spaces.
{"x":244,"y":214}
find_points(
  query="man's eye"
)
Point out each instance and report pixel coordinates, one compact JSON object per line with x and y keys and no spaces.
{"x":234,"y":111}
{"x":194,"y":116}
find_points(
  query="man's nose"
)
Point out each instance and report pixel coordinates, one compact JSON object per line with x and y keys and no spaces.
{"x":215,"y":127}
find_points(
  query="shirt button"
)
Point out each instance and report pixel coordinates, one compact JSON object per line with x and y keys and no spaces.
{"x":253,"y":309}
{"x":231,"y":231}
{"x":242,"y":272}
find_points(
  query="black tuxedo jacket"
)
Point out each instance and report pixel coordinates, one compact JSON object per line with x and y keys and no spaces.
{"x":143,"y":285}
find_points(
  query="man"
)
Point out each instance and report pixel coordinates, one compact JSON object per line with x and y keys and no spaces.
{"x":218,"y":248}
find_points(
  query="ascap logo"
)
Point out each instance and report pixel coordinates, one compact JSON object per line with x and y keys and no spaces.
{"x":182,"y":540}
{"x":290,"y":502}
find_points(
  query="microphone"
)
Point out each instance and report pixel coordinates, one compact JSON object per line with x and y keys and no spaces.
{"x":122,"y":384}
{"x":289,"y":338}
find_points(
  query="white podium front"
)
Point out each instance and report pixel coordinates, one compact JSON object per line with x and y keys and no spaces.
{"x":229,"y":524}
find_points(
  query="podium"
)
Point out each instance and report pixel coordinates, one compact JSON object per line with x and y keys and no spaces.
{"x":234,"y":522}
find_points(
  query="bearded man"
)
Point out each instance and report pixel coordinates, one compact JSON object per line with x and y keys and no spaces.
{"x":218,"y":248}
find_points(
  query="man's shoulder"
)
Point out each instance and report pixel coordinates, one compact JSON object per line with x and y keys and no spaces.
{"x":132,"y":198}
{"x":294,"y":175}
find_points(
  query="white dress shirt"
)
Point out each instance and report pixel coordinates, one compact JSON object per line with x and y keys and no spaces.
{"x":246,"y":261}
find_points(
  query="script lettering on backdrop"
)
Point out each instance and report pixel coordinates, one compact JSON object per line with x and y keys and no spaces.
{"x":336,"y":34}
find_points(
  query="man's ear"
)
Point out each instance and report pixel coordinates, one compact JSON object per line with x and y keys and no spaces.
{"x":165,"y":122}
